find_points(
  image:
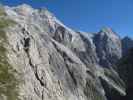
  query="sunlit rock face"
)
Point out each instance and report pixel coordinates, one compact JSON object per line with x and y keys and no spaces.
{"x":24,"y":10}
{"x":54,"y":62}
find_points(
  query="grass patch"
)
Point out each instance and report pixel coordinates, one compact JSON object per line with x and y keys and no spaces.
{"x":8,"y":81}
{"x":4,"y":22}
{"x":2,"y":12}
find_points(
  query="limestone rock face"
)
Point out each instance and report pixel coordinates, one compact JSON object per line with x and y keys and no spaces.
{"x":109,"y":47}
{"x":54,"y":62}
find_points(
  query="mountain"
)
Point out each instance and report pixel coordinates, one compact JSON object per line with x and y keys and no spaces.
{"x":127,"y":44}
{"x":109,"y":46}
{"x":42,"y":59}
{"x":125,"y":70}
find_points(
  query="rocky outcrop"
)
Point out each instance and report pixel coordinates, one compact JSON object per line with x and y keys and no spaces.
{"x":53,"y":62}
{"x":108,"y":47}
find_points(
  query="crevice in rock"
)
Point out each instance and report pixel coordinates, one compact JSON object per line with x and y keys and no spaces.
{"x":36,"y":91}
{"x":35,"y":70}
{"x":34,"y":67}
{"x":24,"y":31}
{"x":26,"y":44}
{"x":71,"y":74}
{"x":37,"y":77}
{"x":42,"y":94}
{"x":90,"y":73}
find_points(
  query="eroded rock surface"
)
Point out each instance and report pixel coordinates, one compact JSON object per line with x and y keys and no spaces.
{"x":54,"y":62}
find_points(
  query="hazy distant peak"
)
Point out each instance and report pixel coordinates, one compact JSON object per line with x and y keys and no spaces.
{"x":127,"y":38}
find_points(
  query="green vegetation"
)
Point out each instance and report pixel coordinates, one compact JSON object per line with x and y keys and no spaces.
{"x":2,"y":11}
{"x":8,"y":82}
{"x":4,"y":22}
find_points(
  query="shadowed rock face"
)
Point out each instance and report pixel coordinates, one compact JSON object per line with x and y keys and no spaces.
{"x":108,"y":47}
{"x":125,"y":69}
{"x":54,"y":62}
{"x":127,"y":44}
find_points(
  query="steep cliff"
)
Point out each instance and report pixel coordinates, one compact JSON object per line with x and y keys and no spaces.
{"x":109,"y":47}
{"x":125,"y":69}
{"x":49,"y":61}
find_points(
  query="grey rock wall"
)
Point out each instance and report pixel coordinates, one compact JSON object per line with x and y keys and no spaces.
{"x":54,"y":62}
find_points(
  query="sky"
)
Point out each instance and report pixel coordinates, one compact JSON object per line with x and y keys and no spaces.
{"x":88,"y":15}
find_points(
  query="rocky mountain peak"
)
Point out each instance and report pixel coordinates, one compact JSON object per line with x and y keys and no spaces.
{"x":108,"y":46}
{"x":54,"y":62}
{"x":106,"y":31}
{"x":24,"y":9}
